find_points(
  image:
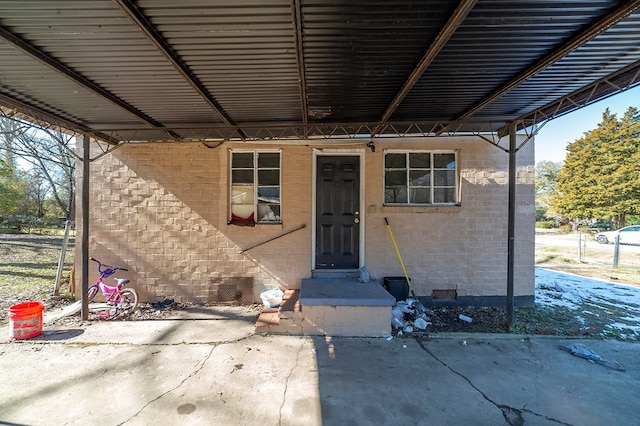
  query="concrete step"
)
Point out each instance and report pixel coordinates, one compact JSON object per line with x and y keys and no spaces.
{"x":284,"y":319}
{"x":337,"y":307}
{"x":345,"y":307}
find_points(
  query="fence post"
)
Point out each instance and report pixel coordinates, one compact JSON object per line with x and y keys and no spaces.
{"x":63,"y":253}
{"x":616,"y":251}
{"x":579,"y":247}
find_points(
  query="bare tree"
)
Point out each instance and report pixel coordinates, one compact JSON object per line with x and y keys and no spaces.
{"x":49,"y":154}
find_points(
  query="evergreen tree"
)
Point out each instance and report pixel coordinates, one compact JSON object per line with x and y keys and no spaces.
{"x":601,"y":175}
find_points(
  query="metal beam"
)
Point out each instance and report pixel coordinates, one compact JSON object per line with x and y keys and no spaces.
{"x":133,"y":11}
{"x":296,"y":18}
{"x":452,"y":25}
{"x":316,"y":132}
{"x":46,"y":119}
{"x":610,"y":85}
{"x":59,"y":67}
{"x":583,"y":37}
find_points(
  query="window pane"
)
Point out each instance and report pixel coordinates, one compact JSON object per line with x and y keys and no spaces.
{"x":444,"y":161}
{"x":242,"y":201}
{"x":269,"y":194}
{"x":268,"y":177}
{"x":420,"y":160}
{"x":242,"y":176}
{"x":444,"y":178}
{"x":242,"y":194}
{"x":242,"y":160}
{"x":242,"y":211}
{"x":393,"y":195}
{"x":444,"y":195}
{"x":268,"y":212}
{"x":248,"y":197}
{"x":395,"y":161}
{"x":269,"y":160}
{"x":395,"y":178}
{"x":419,"y":178}
{"x":420,"y":195}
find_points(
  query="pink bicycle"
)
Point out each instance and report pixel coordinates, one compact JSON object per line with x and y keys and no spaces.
{"x":123,"y":300}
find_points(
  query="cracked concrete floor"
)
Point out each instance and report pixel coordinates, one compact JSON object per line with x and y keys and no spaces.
{"x":216,"y":371}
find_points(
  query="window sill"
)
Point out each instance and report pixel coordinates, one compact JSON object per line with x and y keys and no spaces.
{"x":251,"y":223}
{"x":432,"y":208}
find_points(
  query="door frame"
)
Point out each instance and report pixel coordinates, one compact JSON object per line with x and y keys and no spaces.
{"x":345,"y":152}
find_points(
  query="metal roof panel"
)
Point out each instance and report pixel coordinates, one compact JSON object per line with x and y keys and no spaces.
{"x":236,"y":65}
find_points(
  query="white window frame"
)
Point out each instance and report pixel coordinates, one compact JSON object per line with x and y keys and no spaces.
{"x":431,"y":185}
{"x":255,"y":206}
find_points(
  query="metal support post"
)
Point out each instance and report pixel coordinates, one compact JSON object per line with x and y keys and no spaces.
{"x":85,"y":228}
{"x":511,"y":224}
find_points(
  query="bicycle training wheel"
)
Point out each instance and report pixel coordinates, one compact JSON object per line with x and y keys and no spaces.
{"x":93,"y":290}
{"x":128,"y":301}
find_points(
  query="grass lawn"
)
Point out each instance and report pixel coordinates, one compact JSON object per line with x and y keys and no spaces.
{"x":28,"y":267}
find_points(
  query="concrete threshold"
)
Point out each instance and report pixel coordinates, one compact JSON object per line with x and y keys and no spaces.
{"x":343,"y":292}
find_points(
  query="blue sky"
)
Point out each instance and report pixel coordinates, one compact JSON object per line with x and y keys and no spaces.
{"x":552,"y":139}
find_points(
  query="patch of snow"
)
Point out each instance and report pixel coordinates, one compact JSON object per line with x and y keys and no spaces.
{"x":574,"y":292}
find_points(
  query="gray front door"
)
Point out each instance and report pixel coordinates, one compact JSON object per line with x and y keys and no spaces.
{"x":337,"y":216}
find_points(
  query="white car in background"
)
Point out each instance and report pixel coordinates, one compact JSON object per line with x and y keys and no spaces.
{"x":628,"y":235}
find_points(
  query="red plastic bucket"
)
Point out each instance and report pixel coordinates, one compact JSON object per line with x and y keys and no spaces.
{"x":25,"y":320}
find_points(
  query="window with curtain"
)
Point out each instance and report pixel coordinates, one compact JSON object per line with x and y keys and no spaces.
{"x":255,"y":187}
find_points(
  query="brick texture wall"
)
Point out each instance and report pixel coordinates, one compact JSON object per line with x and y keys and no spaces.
{"x":461,"y":248}
{"x":161,"y":210}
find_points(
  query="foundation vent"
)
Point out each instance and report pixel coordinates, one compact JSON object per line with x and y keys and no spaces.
{"x":444,"y":295}
{"x":231,"y":290}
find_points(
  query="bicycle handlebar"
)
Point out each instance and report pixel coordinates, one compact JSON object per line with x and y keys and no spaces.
{"x":103,"y":266}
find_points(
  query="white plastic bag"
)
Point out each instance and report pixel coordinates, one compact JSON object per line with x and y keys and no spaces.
{"x":397,"y":318}
{"x":420,"y":323}
{"x":397,"y":323}
{"x":365,"y":277}
{"x":272,"y":298}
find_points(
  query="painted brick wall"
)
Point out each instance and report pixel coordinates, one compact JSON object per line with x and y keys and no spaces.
{"x":161,"y":211}
{"x":462,"y":248}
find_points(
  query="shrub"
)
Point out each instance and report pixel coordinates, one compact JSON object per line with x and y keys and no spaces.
{"x":566,"y":228}
{"x":545,"y":225}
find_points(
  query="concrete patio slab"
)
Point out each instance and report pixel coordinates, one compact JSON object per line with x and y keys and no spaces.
{"x":218,"y":372}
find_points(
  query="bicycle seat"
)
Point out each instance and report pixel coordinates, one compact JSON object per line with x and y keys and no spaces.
{"x":121,"y":281}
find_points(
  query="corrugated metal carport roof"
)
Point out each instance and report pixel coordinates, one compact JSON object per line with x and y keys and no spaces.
{"x":254,"y":69}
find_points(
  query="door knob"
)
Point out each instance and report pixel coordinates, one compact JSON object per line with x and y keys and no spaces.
{"x":356,"y":220}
